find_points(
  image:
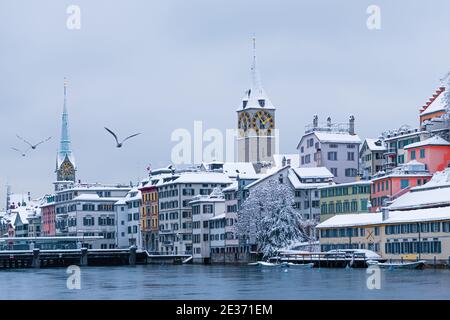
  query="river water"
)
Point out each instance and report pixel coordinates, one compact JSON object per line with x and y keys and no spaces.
{"x":222,"y":282}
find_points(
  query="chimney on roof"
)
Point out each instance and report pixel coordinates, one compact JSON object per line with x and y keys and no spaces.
{"x":329,"y":122}
{"x":385,"y":213}
{"x":315,"y":121}
{"x":351,"y":127}
{"x":283,"y":162}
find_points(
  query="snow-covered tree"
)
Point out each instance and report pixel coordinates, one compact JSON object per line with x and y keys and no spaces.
{"x":268,"y":218}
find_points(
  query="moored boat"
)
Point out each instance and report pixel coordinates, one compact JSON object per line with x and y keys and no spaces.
{"x":398,"y":265}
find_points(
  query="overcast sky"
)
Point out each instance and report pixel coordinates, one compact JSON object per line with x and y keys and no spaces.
{"x":155,"y":66}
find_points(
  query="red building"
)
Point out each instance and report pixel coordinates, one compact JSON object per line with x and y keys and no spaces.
{"x":48,"y":216}
{"x":433,"y":152}
{"x":392,"y":185}
{"x":434,"y":107}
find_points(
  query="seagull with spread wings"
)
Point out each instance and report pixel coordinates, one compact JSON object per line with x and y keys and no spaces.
{"x":23,"y":153}
{"x":33,"y":146}
{"x":120,"y":144}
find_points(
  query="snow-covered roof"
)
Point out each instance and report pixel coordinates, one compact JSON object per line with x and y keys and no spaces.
{"x":232,"y":187}
{"x":246,"y":170}
{"x":337,"y":137}
{"x":432,"y":194}
{"x":202,"y":177}
{"x":365,"y":219}
{"x":218,"y":217}
{"x":348,"y":184}
{"x":95,"y":197}
{"x":313,"y":172}
{"x":374,"y":144}
{"x":297,"y":184}
{"x":437,"y":103}
{"x":293,"y":158}
{"x":265,"y":177}
{"x":433,"y":141}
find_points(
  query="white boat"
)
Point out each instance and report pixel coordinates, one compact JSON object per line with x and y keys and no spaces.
{"x":398,"y":265}
{"x":298,"y":265}
{"x":264,"y":264}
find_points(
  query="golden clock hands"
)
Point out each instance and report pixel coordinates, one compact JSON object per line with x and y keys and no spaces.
{"x":264,"y":122}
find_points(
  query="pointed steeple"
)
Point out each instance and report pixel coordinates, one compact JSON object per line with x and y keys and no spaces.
{"x":256,"y":97}
{"x":64,"y":146}
{"x":65,"y":155}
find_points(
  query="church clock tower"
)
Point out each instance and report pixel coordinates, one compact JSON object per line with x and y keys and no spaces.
{"x":65,"y":161}
{"x":256,"y":123}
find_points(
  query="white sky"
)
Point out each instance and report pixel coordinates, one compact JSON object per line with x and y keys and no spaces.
{"x":155,"y":66}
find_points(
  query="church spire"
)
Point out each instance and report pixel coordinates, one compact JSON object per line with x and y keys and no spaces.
{"x":64,"y":148}
{"x":256,"y":97}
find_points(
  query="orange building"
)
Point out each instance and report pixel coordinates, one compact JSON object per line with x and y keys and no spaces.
{"x":433,"y":152}
{"x":435,"y":106}
{"x":388,"y":187}
{"x":149,"y":217}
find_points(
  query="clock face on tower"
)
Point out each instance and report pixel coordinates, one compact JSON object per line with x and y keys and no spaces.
{"x":263,"y":120}
{"x":67,"y":169}
{"x":243,"y":122}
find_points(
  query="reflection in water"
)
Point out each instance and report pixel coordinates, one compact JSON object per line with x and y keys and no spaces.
{"x":222,"y":282}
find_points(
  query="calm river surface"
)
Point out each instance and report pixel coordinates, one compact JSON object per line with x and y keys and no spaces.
{"x":222,"y":282}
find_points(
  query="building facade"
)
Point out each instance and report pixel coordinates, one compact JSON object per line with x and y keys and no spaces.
{"x":353,"y":197}
{"x":387,"y":187}
{"x":434,"y":152}
{"x":331,"y":145}
{"x":372,"y":157}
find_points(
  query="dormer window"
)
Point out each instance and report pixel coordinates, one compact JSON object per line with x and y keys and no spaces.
{"x":262,"y":103}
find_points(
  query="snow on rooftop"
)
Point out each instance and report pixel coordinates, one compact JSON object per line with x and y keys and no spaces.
{"x":433,"y":141}
{"x":313,"y":172}
{"x":364,"y":219}
{"x":375,"y":145}
{"x":294,"y":160}
{"x":202,"y":177}
{"x":218,"y":217}
{"x":244,"y":169}
{"x":337,"y":137}
{"x":232,"y":187}
{"x":438,"y":104}
{"x":432,"y":194}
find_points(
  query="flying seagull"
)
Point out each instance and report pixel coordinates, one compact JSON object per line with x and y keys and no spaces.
{"x":33,"y":146}
{"x":23,"y":153}
{"x":120,"y":144}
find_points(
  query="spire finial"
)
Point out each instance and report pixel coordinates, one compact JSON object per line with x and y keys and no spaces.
{"x":256,"y":82}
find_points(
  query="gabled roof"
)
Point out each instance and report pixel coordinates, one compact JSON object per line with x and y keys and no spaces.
{"x":374,"y":144}
{"x":435,"y":104}
{"x":433,"y":141}
{"x":264,"y":178}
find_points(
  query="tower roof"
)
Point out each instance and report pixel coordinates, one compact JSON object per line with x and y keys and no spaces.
{"x":64,"y":146}
{"x":256,"y":97}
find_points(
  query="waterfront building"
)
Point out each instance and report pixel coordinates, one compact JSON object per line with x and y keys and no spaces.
{"x":34,"y":224}
{"x":65,"y":160}
{"x":331,"y":145}
{"x":256,"y":123}
{"x":395,"y":142}
{"x":205,"y":208}
{"x":306,"y":183}
{"x":150,"y":208}
{"x":345,"y":198}
{"x":391,"y":185}
{"x":48,"y":216}
{"x":434,"y":152}
{"x":128,"y":211}
{"x":372,"y":157}
{"x":89,"y":210}
{"x":414,"y":226}
{"x":175,"y":214}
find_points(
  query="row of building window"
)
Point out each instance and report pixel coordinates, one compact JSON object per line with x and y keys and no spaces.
{"x":413,"y":247}
{"x":344,"y":191}
{"x":346,"y":232}
{"x":344,"y":207}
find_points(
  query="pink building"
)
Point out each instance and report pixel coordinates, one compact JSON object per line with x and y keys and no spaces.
{"x":433,"y":152}
{"x":48,"y":218}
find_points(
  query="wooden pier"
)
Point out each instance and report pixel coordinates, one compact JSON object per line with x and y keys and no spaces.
{"x":326,"y":259}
